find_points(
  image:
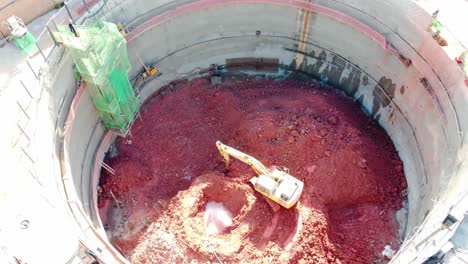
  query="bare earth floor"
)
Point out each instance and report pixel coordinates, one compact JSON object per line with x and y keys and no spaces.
{"x":167,"y":171}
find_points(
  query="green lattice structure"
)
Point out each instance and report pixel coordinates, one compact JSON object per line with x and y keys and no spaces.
{"x":100,"y":55}
{"x":26,"y":43}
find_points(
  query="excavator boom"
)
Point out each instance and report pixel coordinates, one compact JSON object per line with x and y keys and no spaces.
{"x":227,"y":151}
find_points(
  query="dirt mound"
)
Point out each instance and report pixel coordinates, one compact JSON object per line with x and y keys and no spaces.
{"x":353,"y":177}
{"x":256,"y":232}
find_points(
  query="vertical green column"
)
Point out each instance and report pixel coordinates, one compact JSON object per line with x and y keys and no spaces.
{"x":100,"y":55}
{"x":26,"y":43}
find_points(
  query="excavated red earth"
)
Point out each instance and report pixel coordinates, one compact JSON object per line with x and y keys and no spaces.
{"x":169,"y":169}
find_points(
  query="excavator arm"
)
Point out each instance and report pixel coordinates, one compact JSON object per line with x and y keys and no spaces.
{"x":227,"y":151}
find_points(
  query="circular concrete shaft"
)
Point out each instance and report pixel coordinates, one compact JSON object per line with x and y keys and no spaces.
{"x":379,"y":53}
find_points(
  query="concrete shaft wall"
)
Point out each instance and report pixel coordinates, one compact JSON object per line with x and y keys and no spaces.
{"x":422,"y":106}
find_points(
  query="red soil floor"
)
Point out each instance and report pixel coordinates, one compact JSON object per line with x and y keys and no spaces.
{"x":167,"y":171}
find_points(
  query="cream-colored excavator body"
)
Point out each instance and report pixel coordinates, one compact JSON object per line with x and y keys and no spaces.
{"x":276,"y":185}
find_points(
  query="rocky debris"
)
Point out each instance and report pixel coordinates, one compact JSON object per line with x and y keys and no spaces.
{"x":362,"y":163}
{"x":311,"y":169}
{"x":332,"y":120}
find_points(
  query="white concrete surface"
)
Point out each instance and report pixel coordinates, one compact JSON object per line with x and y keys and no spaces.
{"x":426,"y":122}
{"x":29,"y":191}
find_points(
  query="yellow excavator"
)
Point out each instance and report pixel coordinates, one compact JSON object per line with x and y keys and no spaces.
{"x":276,"y":184}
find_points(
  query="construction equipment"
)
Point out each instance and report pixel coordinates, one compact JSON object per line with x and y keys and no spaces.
{"x":147,"y":72}
{"x":20,"y":34}
{"x":16,"y":26}
{"x":121,"y":29}
{"x":277,"y":185}
{"x":101,"y":58}
{"x":150,"y":71}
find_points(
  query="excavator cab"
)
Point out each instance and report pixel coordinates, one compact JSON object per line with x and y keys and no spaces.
{"x":264,"y":184}
{"x":276,"y":184}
